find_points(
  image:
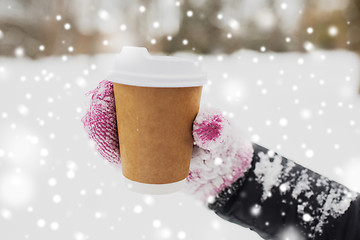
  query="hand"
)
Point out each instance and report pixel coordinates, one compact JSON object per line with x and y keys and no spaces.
{"x":220,"y":156}
{"x":100,"y":122}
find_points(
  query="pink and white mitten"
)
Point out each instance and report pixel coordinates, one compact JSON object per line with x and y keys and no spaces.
{"x":219,"y":156}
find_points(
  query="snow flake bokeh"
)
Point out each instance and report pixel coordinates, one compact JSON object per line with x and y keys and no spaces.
{"x":53,"y":183}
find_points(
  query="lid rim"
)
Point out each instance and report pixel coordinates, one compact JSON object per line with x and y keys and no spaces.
{"x":129,"y":74}
{"x":142,"y":83}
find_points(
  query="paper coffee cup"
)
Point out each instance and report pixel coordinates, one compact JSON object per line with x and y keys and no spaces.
{"x":157,"y":99}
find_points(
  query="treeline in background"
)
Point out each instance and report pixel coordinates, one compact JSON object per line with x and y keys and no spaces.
{"x":38,"y":28}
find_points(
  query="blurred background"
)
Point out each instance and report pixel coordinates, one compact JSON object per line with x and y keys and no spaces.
{"x":286,"y":72}
{"x":38,"y":28}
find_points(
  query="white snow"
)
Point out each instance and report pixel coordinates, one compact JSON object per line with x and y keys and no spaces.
{"x":284,"y":187}
{"x":156,"y":223}
{"x":323,"y":80}
{"x":307,"y":217}
{"x":181,"y":235}
{"x":334,"y":203}
{"x":79,"y":236}
{"x":268,"y":173}
{"x":41,"y":223}
{"x":138,"y":209}
{"x":6,"y":214}
{"x":149,"y":200}
{"x":302,"y":185}
{"x":291,"y":233}
{"x":337,"y":202}
{"x":57,"y":198}
{"x":255,"y":210}
{"x":16,"y":189}
{"x":54,"y":226}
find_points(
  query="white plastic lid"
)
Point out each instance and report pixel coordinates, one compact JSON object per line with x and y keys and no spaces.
{"x":135,"y":66}
{"x":147,"y":188}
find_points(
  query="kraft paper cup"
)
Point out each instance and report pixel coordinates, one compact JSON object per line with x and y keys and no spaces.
{"x":157,"y":99}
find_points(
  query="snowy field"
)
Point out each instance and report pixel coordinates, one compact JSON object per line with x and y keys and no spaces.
{"x":53,"y":185}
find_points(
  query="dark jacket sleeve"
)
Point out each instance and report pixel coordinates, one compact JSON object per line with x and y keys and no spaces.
{"x":280,"y":199}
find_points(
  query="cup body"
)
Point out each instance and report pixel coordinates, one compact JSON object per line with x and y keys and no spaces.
{"x":155,"y":131}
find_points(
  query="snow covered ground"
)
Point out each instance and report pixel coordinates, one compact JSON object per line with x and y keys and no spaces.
{"x":53,"y":185}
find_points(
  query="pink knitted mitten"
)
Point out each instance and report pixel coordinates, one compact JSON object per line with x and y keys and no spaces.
{"x":220,"y":155}
{"x":100,"y":122}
